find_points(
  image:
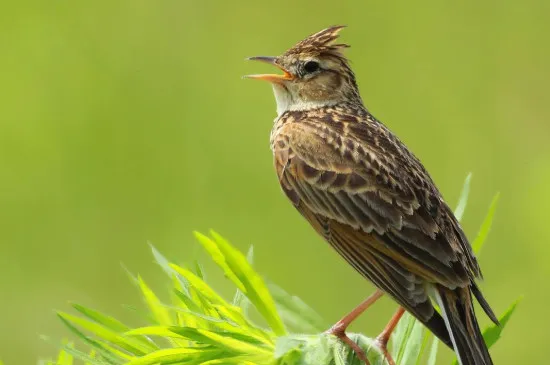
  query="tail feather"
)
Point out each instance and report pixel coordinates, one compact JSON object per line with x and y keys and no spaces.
{"x":458,"y":312}
{"x":484,"y":305}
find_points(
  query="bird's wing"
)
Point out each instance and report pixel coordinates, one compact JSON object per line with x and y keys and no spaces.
{"x":406,"y":288}
{"x":379,"y":206}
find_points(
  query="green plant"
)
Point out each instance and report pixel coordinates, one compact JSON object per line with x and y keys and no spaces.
{"x":201,"y":327}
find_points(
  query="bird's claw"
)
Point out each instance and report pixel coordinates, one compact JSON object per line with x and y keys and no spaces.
{"x":339,"y":331}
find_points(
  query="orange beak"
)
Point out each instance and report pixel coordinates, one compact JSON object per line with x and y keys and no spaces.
{"x":286,"y":76}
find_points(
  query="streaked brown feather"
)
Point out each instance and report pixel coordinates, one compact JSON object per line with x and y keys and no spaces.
{"x":378,"y":206}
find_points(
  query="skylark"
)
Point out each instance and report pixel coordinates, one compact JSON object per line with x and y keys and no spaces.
{"x":361,"y":188}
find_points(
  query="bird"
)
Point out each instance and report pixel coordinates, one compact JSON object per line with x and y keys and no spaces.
{"x":371,"y":199}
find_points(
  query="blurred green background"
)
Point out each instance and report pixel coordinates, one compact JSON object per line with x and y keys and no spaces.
{"x":126,"y":122}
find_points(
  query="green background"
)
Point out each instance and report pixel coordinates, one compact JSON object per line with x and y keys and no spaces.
{"x":127,"y":121}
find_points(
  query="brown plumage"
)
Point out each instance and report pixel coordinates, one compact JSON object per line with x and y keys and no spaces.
{"x":361,"y":188}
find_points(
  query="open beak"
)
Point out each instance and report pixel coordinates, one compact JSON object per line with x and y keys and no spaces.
{"x":286,"y":76}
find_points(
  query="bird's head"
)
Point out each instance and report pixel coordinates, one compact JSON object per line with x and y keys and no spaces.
{"x":315,"y":73}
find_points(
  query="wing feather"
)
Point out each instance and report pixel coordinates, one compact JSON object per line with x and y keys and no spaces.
{"x":380,"y":213}
{"x":374,"y":202}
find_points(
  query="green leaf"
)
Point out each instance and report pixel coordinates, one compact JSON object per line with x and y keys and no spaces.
{"x":219,"y":258}
{"x":288,"y":350}
{"x":252,"y":284}
{"x":399,"y":336}
{"x":106,"y":321}
{"x":223,"y":327}
{"x":339,"y":354}
{"x":492,"y":334}
{"x":83,"y":357}
{"x":287,"y":344}
{"x":199,"y":270}
{"x":485,"y":226}
{"x":323,"y":349}
{"x":411,"y":345}
{"x":159,"y":311}
{"x":129,"y":344}
{"x":111,"y":324}
{"x":251,"y":329}
{"x":161,"y":260}
{"x":188,"y":302}
{"x":369,"y":346}
{"x":160,"y":314}
{"x":65,"y":358}
{"x":432,"y":356}
{"x":296,"y":313}
{"x":422,"y":351}
{"x":131,"y":276}
{"x":120,"y":354}
{"x":240,"y":299}
{"x":199,"y":285}
{"x":161,"y":331}
{"x":409,"y":341}
{"x":165,"y":265}
{"x":225,"y":340}
{"x":216,"y":321}
{"x":92,"y":357}
{"x":202,"y":289}
{"x":463,"y":200}
{"x":89,"y":359}
{"x":177,"y":355}
{"x":238,"y":360}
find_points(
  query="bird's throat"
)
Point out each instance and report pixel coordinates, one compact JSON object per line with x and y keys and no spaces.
{"x":286,"y":101}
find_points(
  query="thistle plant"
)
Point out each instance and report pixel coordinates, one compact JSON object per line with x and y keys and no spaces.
{"x":199,"y":326}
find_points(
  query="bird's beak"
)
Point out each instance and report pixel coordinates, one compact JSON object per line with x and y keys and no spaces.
{"x":286,"y":76}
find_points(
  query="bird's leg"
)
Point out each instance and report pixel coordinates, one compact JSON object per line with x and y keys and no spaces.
{"x":339,"y":329}
{"x":342,"y":325}
{"x":384,"y":336}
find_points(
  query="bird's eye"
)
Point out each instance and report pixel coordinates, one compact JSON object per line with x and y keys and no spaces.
{"x":311,"y":66}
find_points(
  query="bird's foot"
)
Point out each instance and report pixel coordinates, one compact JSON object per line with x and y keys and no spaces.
{"x":383,"y":338}
{"x":339,"y":330}
{"x":382,"y":344}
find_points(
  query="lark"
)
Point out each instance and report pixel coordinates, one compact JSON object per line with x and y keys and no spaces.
{"x":371,"y":199}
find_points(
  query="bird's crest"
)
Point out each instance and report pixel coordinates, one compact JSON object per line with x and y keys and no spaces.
{"x":320,"y":43}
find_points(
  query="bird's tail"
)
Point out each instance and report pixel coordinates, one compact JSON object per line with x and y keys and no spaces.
{"x":458,"y":312}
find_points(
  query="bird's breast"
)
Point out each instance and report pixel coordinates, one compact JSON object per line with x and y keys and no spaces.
{"x":308,"y":142}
